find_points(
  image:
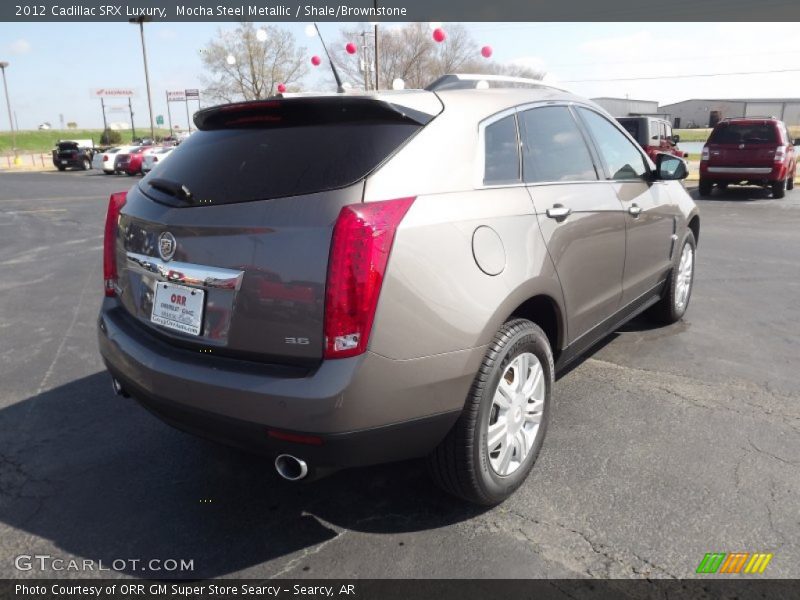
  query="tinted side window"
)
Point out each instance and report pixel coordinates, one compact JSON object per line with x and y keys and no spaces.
{"x":553,"y":148}
{"x":623,"y":159}
{"x":501,"y":152}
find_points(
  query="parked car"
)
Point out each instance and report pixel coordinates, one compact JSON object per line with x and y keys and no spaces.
{"x":75,"y":154}
{"x":105,"y":160}
{"x":654,"y":135}
{"x":154,"y":157}
{"x":749,"y":151}
{"x":130,"y":162}
{"x":344,"y":280}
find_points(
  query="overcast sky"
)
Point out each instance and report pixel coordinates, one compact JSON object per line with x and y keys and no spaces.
{"x":54,"y":65}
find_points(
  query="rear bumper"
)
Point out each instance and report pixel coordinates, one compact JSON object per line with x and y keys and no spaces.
{"x":740,"y":173}
{"x":367,"y":409}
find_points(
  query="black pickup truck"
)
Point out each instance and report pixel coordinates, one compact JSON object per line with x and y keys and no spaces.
{"x":73,"y":154}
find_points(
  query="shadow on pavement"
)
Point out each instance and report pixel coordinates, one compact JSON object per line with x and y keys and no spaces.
{"x":104,"y":480}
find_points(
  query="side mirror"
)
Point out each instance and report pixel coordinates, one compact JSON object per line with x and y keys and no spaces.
{"x":676,"y":138}
{"x":669,"y":167}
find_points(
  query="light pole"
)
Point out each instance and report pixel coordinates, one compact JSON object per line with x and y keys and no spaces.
{"x":140,"y":22}
{"x":3,"y":65}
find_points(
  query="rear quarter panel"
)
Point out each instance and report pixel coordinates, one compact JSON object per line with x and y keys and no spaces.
{"x":435,"y":299}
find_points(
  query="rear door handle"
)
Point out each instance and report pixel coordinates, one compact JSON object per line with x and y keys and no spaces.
{"x":558,"y":212}
{"x":635,"y":210}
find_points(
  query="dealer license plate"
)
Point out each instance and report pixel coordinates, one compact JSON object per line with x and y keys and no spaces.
{"x":178,"y":307}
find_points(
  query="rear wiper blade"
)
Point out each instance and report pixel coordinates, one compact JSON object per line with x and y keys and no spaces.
{"x":172,"y":188}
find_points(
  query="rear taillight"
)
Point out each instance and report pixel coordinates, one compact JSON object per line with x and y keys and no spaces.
{"x":362,"y":241}
{"x":704,"y":155}
{"x":105,"y":157}
{"x":780,"y":154}
{"x":115,"y":204}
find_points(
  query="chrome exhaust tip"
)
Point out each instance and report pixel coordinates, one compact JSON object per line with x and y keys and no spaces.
{"x":290,"y":467}
{"x":118,"y":389}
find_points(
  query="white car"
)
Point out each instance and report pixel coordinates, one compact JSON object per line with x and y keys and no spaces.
{"x":155,"y":156}
{"x":105,"y":160}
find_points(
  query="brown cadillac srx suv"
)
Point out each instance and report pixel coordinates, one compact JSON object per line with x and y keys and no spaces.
{"x":349,"y":279}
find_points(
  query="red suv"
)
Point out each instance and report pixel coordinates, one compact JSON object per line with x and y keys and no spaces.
{"x":748,"y":150}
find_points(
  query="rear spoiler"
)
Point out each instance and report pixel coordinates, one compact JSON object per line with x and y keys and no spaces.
{"x":319,"y":110}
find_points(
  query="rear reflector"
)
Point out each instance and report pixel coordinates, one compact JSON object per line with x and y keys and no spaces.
{"x":362,"y":241}
{"x":311,"y":440}
{"x":115,"y":204}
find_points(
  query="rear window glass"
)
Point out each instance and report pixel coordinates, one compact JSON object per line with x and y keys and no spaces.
{"x":225,"y":166}
{"x":744,"y":133}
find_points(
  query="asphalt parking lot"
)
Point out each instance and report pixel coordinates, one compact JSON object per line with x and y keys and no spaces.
{"x":665,"y":443}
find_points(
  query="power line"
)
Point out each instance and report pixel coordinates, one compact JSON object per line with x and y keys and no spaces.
{"x":681,"y":76}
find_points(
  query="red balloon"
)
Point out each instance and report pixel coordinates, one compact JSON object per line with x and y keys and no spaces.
{"x":351,"y":48}
{"x":438,"y":34}
{"x":316,"y":60}
{"x":281,"y":88}
{"x":486,"y":51}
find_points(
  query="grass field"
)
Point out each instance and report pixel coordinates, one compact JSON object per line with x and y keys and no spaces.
{"x":44,"y":141}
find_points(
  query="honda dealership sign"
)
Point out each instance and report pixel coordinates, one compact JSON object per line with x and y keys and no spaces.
{"x":178,"y":96}
{"x":113,"y":92}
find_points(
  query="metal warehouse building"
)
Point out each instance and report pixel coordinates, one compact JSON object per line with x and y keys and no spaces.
{"x":706,"y":113}
{"x":626,"y":107}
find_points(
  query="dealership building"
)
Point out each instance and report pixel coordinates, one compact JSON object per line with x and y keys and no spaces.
{"x":706,"y":113}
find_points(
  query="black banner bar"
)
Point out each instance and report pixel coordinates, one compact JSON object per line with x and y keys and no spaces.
{"x":381,"y":589}
{"x":402,"y":10}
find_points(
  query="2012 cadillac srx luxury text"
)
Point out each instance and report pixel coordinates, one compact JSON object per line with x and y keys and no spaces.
{"x":350,"y":279}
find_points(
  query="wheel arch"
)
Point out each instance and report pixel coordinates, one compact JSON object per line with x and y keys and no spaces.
{"x":694,"y":225}
{"x":539,"y":300}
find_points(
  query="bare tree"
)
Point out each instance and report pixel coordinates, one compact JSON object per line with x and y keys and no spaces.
{"x":410,"y":53}
{"x":256,"y":67}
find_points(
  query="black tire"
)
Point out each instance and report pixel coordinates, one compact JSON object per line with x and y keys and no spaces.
{"x":790,"y":181}
{"x":61,"y":168}
{"x":667,"y":311}
{"x":779,"y":188}
{"x":705,"y":187}
{"x":87,"y":164}
{"x":460,"y":464}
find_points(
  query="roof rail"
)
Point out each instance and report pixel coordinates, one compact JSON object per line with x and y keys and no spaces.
{"x":750,"y":117}
{"x":472,"y":81}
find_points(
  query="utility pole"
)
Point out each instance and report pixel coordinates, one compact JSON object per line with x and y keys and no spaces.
{"x":366,"y":59}
{"x":377,"y":85}
{"x":133,"y":128}
{"x":140,"y":21}
{"x":3,"y":66}
{"x":103,"y":108}
{"x":169,"y":114}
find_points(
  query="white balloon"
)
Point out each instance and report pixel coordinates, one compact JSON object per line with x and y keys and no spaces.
{"x":231,"y":60}
{"x":311,"y":31}
{"x":398,"y":84}
{"x":261,"y":35}
{"x":434,"y":25}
